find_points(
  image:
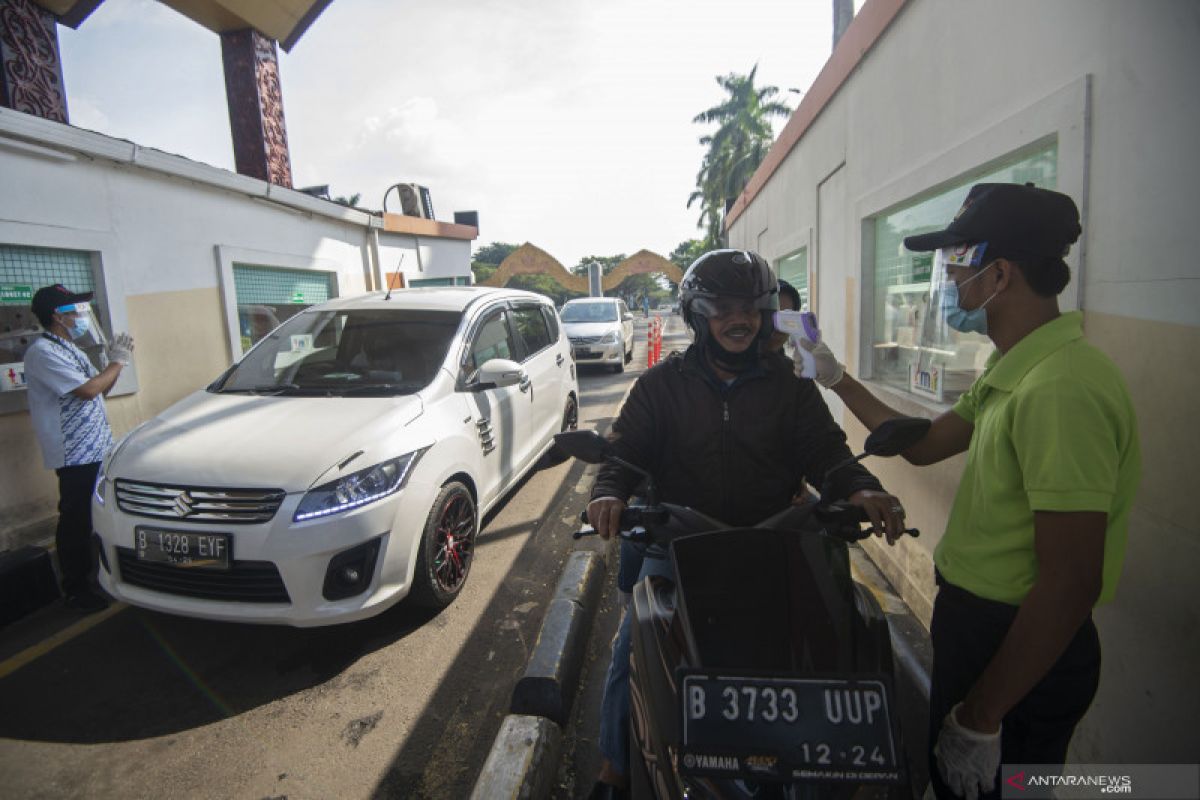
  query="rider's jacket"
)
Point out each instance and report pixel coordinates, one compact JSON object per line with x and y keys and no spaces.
{"x":736,"y":452}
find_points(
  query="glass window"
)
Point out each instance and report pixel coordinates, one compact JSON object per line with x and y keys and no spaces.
{"x":913,"y":350}
{"x":531,"y":329}
{"x":492,"y":341}
{"x":601,"y":311}
{"x":794,"y":270}
{"x":24,"y":270}
{"x":551,"y":322}
{"x":458,"y":280}
{"x":357,"y":352}
{"x":268,"y":296}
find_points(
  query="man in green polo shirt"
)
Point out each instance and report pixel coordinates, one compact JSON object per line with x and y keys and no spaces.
{"x":1037,"y":532}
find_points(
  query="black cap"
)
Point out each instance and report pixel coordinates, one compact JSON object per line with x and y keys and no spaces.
{"x":1014,"y":220}
{"x":48,"y":298}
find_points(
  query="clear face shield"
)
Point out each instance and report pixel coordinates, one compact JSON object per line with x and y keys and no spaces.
{"x":92,"y":335}
{"x":945,"y":354}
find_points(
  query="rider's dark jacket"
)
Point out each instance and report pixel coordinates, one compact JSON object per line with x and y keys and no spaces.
{"x":736,"y":452}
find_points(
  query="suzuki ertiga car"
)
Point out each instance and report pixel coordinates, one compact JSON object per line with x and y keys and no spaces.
{"x":342,"y":464}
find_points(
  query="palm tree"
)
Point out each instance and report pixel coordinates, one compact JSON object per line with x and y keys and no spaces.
{"x":735,"y":150}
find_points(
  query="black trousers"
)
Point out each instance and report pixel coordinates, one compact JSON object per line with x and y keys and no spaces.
{"x":967,"y":631}
{"x":73,"y":538}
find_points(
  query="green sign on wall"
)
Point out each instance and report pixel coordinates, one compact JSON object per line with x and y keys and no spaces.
{"x":15,"y":294}
{"x":922,"y":268}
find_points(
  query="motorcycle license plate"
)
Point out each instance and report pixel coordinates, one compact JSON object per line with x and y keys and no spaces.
{"x":788,"y":729}
{"x":182,"y":548}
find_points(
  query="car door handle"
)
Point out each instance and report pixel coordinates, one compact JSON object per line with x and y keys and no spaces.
{"x":558,"y":360}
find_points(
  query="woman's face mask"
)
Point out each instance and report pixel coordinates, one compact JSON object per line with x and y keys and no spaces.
{"x":962,"y":320}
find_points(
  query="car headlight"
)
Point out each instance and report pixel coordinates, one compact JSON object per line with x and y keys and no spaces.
{"x":610,"y":338}
{"x":357,"y":489}
{"x":101,"y":484}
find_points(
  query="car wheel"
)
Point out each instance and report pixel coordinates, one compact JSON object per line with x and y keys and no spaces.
{"x":556,"y":455}
{"x":447,"y":548}
{"x":629,"y":354}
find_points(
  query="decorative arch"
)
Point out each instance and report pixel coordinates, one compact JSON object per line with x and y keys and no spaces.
{"x":531,"y":260}
{"x":641,"y":262}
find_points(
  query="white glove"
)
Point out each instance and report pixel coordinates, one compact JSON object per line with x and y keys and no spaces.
{"x":967,"y":759}
{"x":815,"y":361}
{"x":121,"y":349}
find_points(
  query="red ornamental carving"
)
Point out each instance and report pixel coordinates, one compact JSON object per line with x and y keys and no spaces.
{"x":270,"y":94}
{"x":30,"y":69}
{"x":252,"y":88}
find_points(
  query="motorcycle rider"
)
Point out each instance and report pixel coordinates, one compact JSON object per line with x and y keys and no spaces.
{"x":726,"y":428}
{"x":1036,"y":535}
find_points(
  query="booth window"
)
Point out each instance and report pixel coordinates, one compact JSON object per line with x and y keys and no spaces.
{"x":794,"y":270}
{"x":268,"y":296}
{"x":910,"y":351}
{"x":458,"y":280}
{"x":23,"y":270}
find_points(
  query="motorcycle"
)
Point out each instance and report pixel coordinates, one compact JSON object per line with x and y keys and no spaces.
{"x":763,"y":670}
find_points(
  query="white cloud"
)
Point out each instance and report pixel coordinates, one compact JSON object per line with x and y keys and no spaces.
{"x":562,"y":122}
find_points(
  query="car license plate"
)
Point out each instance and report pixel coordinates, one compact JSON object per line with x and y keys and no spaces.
{"x":788,"y":729}
{"x":183,"y":548}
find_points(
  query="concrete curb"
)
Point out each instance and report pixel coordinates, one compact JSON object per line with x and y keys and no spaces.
{"x":547,"y":689}
{"x":523,"y":760}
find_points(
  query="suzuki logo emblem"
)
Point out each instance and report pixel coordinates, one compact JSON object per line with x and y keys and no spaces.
{"x":183,"y":504}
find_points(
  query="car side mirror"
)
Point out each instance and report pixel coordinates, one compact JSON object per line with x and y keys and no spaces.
{"x":499,"y":372}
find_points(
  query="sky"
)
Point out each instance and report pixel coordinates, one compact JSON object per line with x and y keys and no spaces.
{"x":563,"y":123}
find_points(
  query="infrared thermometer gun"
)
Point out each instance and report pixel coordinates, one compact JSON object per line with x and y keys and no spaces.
{"x":800,"y":325}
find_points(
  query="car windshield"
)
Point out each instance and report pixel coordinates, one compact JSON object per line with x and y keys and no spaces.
{"x":347,"y":353}
{"x":589,"y":312}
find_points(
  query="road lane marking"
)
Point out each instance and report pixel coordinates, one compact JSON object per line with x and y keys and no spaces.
{"x":30,"y":654}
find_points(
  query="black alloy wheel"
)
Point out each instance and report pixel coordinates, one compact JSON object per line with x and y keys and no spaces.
{"x":447,"y":547}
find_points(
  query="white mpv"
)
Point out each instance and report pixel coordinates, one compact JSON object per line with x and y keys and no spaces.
{"x":343,"y":464}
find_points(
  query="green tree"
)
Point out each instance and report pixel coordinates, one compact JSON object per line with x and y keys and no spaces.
{"x":687,"y":252}
{"x":735,"y":149}
{"x":351,"y":201}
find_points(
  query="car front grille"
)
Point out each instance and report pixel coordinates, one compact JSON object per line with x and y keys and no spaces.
{"x":198,"y":504}
{"x":244,"y":581}
{"x":583,"y":340}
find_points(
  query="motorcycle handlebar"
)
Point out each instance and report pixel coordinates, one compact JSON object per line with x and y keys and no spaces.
{"x":845,"y":519}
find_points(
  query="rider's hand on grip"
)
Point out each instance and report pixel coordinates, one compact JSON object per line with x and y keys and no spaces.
{"x":604,"y":514}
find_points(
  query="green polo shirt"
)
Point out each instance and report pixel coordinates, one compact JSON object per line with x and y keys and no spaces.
{"x":1054,"y":431}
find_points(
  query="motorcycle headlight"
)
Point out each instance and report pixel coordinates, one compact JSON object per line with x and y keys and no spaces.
{"x":610,"y":338}
{"x":357,"y":489}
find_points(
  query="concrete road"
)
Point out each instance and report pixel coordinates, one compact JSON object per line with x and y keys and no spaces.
{"x":132,"y":704}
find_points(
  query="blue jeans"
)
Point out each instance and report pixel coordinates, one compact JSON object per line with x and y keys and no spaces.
{"x":614,"y":708}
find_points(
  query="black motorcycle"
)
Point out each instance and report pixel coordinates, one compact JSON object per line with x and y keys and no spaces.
{"x":764,"y":670}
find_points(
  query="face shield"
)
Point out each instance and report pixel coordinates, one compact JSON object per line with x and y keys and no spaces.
{"x":92,"y":335}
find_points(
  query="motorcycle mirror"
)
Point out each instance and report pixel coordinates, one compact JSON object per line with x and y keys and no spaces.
{"x":894,"y":436}
{"x":587,"y":446}
{"x":891,"y":438}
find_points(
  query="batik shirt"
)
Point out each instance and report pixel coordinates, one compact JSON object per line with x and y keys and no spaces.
{"x":70,"y":430}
